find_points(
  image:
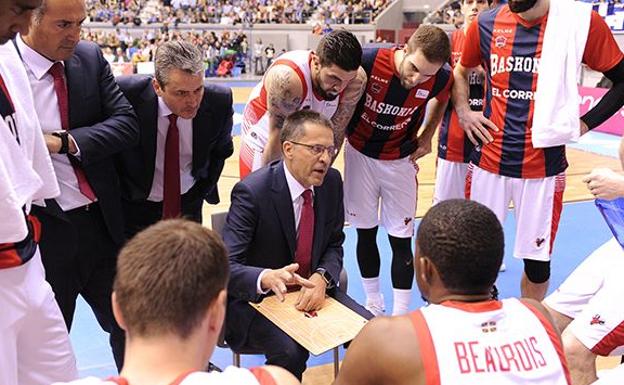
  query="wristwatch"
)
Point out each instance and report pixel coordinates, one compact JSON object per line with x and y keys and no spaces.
{"x":64,"y":135}
{"x":325,"y":275}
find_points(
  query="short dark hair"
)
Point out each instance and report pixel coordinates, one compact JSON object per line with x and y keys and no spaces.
{"x":167,"y":277}
{"x":342,"y":48}
{"x":465,"y":242}
{"x":294,"y":125}
{"x":433,"y":43}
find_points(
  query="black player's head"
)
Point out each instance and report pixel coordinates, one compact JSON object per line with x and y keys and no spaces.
{"x":335,"y":63}
{"x":460,"y":246}
{"x":519,"y":6}
{"x":15,"y":17}
{"x":425,"y":53}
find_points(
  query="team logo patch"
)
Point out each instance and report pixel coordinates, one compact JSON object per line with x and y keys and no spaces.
{"x":500,"y":41}
{"x":421,"y":94}
{"x":376,"y":88}
{"x":539,"y":242}
{"x":488,"y":327}
{"x":596,"y":320}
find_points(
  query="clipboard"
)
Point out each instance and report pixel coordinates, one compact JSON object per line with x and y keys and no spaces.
{"x":613,"y":214}
{"x":327,"y":328}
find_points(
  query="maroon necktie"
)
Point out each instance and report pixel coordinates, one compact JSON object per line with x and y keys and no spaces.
{"x":58,"y":73}
{"x":303,"y":254}
{"x":171,"y":182}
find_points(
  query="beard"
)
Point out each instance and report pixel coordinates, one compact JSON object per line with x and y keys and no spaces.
{"x":324,"y":94}
{"x":519,"y":6}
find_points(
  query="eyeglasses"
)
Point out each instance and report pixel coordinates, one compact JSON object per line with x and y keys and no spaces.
{"x":318,"y":149}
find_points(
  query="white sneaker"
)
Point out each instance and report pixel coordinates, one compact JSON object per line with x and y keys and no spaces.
{"x":376,"y":308}
{"x":502,"y":267}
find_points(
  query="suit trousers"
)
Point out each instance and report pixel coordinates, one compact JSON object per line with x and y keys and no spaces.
{"x":142,"y":214}
{"x":80,"y":257}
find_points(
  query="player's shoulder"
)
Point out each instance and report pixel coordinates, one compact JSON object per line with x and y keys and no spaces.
{"x":230,"y":376}
{"x":87,"y":381}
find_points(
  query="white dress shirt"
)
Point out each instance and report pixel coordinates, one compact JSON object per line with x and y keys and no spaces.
{"x":296,"y":189}
{"x":185,"y":128}
{"x":46,"y":106}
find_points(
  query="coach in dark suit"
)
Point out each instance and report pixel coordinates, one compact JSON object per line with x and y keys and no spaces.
{"x":204,"y":128}
{"x":86,"y":120}
{"x":284,"y":228}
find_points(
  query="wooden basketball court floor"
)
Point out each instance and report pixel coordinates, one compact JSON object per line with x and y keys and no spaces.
{"x":581,"y":162}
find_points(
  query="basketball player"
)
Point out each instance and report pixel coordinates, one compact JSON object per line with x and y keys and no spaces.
{"x":387,"y":134}
{"x":454,"y":148}
{"x":34,"y":345}
{"x":463,"y":336}
{"x":586,"y":305}
{"x":507,"y":41}
{"x":173,"y":327}
{"x":329,"y":81}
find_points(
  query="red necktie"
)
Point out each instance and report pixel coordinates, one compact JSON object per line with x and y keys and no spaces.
{"x":303,"y":254}
{"x":58,"y":73}
{"x":171,"y":182}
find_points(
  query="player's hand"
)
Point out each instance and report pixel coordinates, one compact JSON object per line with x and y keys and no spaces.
{"x":605,"y":183}
{"x":312,"y":298}
{"x":584,"y":128}
{"x":424,"y":148}
{"x":477,"y":127}
{"x":277,"y":280}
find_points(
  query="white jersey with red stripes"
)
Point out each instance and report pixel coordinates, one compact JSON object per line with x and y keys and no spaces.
{"x":489,"y":343}
{"x":230,"y":376}
{"x":255,"y":125}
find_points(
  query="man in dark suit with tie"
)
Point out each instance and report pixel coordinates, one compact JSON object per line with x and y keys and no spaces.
{"x":284,"y":228}
{"x":86,"y":120}
{"x":186,"y":135}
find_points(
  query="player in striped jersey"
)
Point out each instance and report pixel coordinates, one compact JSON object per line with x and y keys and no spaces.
{"x":329,"y":81}
{"x":463,"y":336}
{"x":387,"y":134}
{"x":169,"y":296}
{"x":454,"y":148}
{"x":34,"y":345}
{"x":507,"y":42}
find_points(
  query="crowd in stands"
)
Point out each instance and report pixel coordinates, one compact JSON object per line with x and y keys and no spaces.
{"x":228,"y":50}
{"x":234,"y":12}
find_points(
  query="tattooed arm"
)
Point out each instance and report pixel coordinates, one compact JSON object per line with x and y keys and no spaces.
{"x":348,"y":101}
{"x":284,"y":96}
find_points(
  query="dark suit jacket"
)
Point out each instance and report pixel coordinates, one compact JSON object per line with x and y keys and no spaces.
{"x":102,"y":122}
{"x":212,"y":141}
{"x":260,"y":233}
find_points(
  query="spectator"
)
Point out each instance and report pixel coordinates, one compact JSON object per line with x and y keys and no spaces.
{"x":269,"y":54}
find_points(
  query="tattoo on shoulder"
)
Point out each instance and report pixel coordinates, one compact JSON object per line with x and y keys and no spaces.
{"x":281,"y":98}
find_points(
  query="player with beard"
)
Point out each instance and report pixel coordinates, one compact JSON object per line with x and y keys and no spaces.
{"x":507,"y":42}
{"x":329,"y":81}
{"x":454,"y":148}
{"x":387,"y":134}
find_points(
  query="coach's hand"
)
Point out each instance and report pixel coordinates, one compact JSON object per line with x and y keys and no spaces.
{"x":312,"y":298}
{"x":277,"y":280}
{"x":476,"y":126}
{"x":605,"y":183}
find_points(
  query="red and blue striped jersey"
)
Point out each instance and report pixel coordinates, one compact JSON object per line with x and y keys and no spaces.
{"x":509,"y":49}
{"x":386,"y":121}
{"x":453,"y":144}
